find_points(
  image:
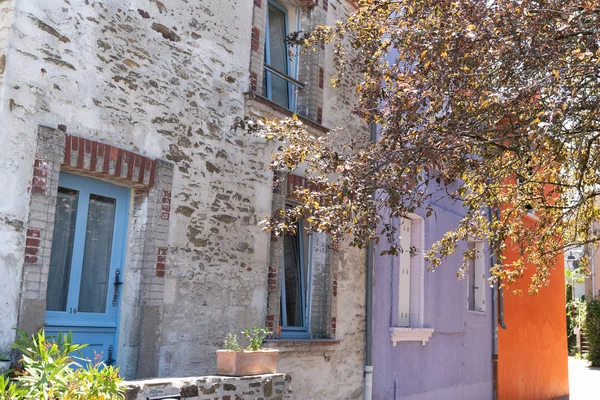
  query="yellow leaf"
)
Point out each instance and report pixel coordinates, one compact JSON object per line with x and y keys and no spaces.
{"x":471,"y":27}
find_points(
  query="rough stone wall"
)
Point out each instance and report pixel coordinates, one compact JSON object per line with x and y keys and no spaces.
{"x":313,"y":369}
{"x":166,"y":80}
{"x":259,"y":387}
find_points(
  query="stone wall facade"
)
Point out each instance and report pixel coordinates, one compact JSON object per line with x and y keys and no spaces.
{"x":160,"y":85}
{"x":259,"y":387}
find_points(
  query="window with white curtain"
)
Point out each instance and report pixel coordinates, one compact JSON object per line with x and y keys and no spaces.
{"x":280,"y":62}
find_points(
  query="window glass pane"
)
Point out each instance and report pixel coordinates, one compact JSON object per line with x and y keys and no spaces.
{"x":96,"y":256}
{"x":277,"y":56}
{"x":62,"y":250}
{"x":293,"y":282}
{"x":472,"y":283}
{"x":296,"y":274}
{"x":277,"y":46}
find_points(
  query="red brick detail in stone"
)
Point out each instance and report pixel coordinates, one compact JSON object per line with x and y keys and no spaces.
{"x":325,"y":5}
{"x":32,"y":245}
{"x":32,"y":242}
{"x":80,"y":153}
{"x":333,"y":326}
{"x":319,"y":115}
{"x":130,"y":164}
{"x":94,"y":156}
{"x":142,"y":170}
{"x":40,"y":175}
{"x":161,"y":259}
{"x":253,"y":81}
{"x":321,"y":78}
{"x":31,"y":259}
{"x":166,"y":204}
{"x":258,"y":3}
{"x":152,"y":173}
{"x":119,"y":162}
{"x":106,"y":166}
{"x":67,"y":159}
{"x":255,"y":41}
{"x":92,"y":150}
{"x":322,"y":45}
{"x":334,"y":289}
{"x":270,"y":322}
{"x":297,"y":182}
{"x":272,"y":278}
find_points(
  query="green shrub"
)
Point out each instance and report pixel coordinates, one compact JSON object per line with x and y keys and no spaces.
{"x":255,"y":337}
{"x":51,"y":370}
{"x":591,"y":330}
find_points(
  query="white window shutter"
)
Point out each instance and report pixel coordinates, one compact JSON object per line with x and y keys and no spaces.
{"x":479,"y":303}
{"x":404,"y":273}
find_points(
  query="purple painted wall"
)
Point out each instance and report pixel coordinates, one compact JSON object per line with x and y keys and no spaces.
{"x":456,"y":362}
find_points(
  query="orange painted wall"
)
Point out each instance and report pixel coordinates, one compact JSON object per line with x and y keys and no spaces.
{"x":532,"y":351}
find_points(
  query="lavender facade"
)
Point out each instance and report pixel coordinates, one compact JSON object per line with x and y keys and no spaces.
{"x":432,"y":333}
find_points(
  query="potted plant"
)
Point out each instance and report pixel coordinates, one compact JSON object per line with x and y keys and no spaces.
{"x":234,"y":360}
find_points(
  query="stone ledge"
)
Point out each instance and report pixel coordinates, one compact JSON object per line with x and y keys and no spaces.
{"x":304,"y":347}
{"x":263,"y":107}
{"x":267,"y":387}
{"x":399,"y":334}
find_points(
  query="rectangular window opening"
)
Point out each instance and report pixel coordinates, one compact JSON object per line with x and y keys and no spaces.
{"x":280,"y":69}
{"x":295,"y":284}
{"x":476,"y":279}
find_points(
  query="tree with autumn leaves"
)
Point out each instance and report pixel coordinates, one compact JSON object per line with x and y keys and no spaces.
{"x":492,"y":104}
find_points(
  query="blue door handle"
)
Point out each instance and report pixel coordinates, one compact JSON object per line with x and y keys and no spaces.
{"x":116,"y":284}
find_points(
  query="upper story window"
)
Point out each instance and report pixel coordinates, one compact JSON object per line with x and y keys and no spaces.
{"x":280,"y":64}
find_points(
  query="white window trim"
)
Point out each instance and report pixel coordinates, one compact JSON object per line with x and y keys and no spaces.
{"x":401,"y":334}
{"x":416,"y":332}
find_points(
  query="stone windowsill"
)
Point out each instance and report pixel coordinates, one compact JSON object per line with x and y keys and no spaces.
{"x":257,"y":104}
{"x":475,"y":312}
{"x":400,"y":334}
{"x":304,"y":347}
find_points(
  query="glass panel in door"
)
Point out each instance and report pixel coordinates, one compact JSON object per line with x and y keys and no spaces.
{"x":62,"y":250}
{"x":96,"y":255}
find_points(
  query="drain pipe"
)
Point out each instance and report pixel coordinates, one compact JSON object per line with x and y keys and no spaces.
{"x":369,"y":323}
{"x":497,"y":313}
{"x":368,"y":389}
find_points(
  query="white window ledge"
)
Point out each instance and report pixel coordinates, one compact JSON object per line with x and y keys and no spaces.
{"x":399,"y":334}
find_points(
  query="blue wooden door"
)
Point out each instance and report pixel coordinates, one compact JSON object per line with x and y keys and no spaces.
{"x":86,"y":263}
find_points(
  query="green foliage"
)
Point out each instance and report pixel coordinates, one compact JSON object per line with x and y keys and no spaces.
{"x":490,"y":104}
{"x":571,"y":337}
{"x":591,"y":330}
{"x":255,"y":337}
{"x":576,"y":312}
{"x":231,"y":343}
{"x":52,"y":371}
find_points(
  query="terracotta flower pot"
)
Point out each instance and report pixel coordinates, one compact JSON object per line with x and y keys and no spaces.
{"x":240,"y":363}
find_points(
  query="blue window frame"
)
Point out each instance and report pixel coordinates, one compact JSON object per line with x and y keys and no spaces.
{"x":279,"y":83}
{"x":295,"y":285}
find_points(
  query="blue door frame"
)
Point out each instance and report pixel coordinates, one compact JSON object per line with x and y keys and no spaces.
{"x":97,"y":329}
